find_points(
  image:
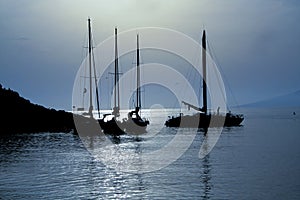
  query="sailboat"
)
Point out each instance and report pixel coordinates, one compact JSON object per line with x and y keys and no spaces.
{"x":91,"y":72}
{"x":88,"y":124}
{"x":134,"y":123}
{"x":204,"y":119}
{"x":110,"y":123}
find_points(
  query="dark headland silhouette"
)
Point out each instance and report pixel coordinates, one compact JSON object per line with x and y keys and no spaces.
{"x":19,"y":115}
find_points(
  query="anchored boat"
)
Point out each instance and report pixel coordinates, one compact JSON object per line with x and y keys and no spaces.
{"x":204,"y":119}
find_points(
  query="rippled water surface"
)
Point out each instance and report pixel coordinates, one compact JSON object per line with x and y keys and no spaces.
{"x":260,"y":160}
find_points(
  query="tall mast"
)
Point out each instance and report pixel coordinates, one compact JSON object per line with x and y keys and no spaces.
{"x":96,"y":82}
{"x":90,"y":67}
{"x":117,"y":91}
{"x":204,"y":109}
{"x":138,"y":95}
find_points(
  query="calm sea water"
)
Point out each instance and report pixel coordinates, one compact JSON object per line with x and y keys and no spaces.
{"x":260,"y":160}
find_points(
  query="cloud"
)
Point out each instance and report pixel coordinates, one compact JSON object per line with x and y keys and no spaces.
{"x":248,"y":37}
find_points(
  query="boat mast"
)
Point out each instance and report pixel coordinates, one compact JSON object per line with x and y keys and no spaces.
{"x":96,"y":82}
{"x":138,"y":95}
{"x":90,"y":67}
{"x":204,"y":109}
{"x":116,"y":108}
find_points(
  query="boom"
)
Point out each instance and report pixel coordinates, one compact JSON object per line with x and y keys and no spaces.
{"x":194,"y":107}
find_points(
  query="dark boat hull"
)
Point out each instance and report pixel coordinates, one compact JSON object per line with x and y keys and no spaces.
{"x":201,"y":120}
{"x":86,"y":126}
{"x":112,"y":127}
{"x":136,"y":125}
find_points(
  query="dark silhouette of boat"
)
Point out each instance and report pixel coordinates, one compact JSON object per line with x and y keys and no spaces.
{"x":204,"y":119}
{"x":110,"y":123}
{"x":135,"y":123}
{"x":88,"y":125}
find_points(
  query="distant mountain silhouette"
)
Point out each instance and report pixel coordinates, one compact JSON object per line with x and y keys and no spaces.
{"x":288,"y":100}
{"x":19,"y":115}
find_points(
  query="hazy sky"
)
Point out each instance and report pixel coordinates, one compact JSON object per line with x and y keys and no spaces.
{"x":257,"y":42}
